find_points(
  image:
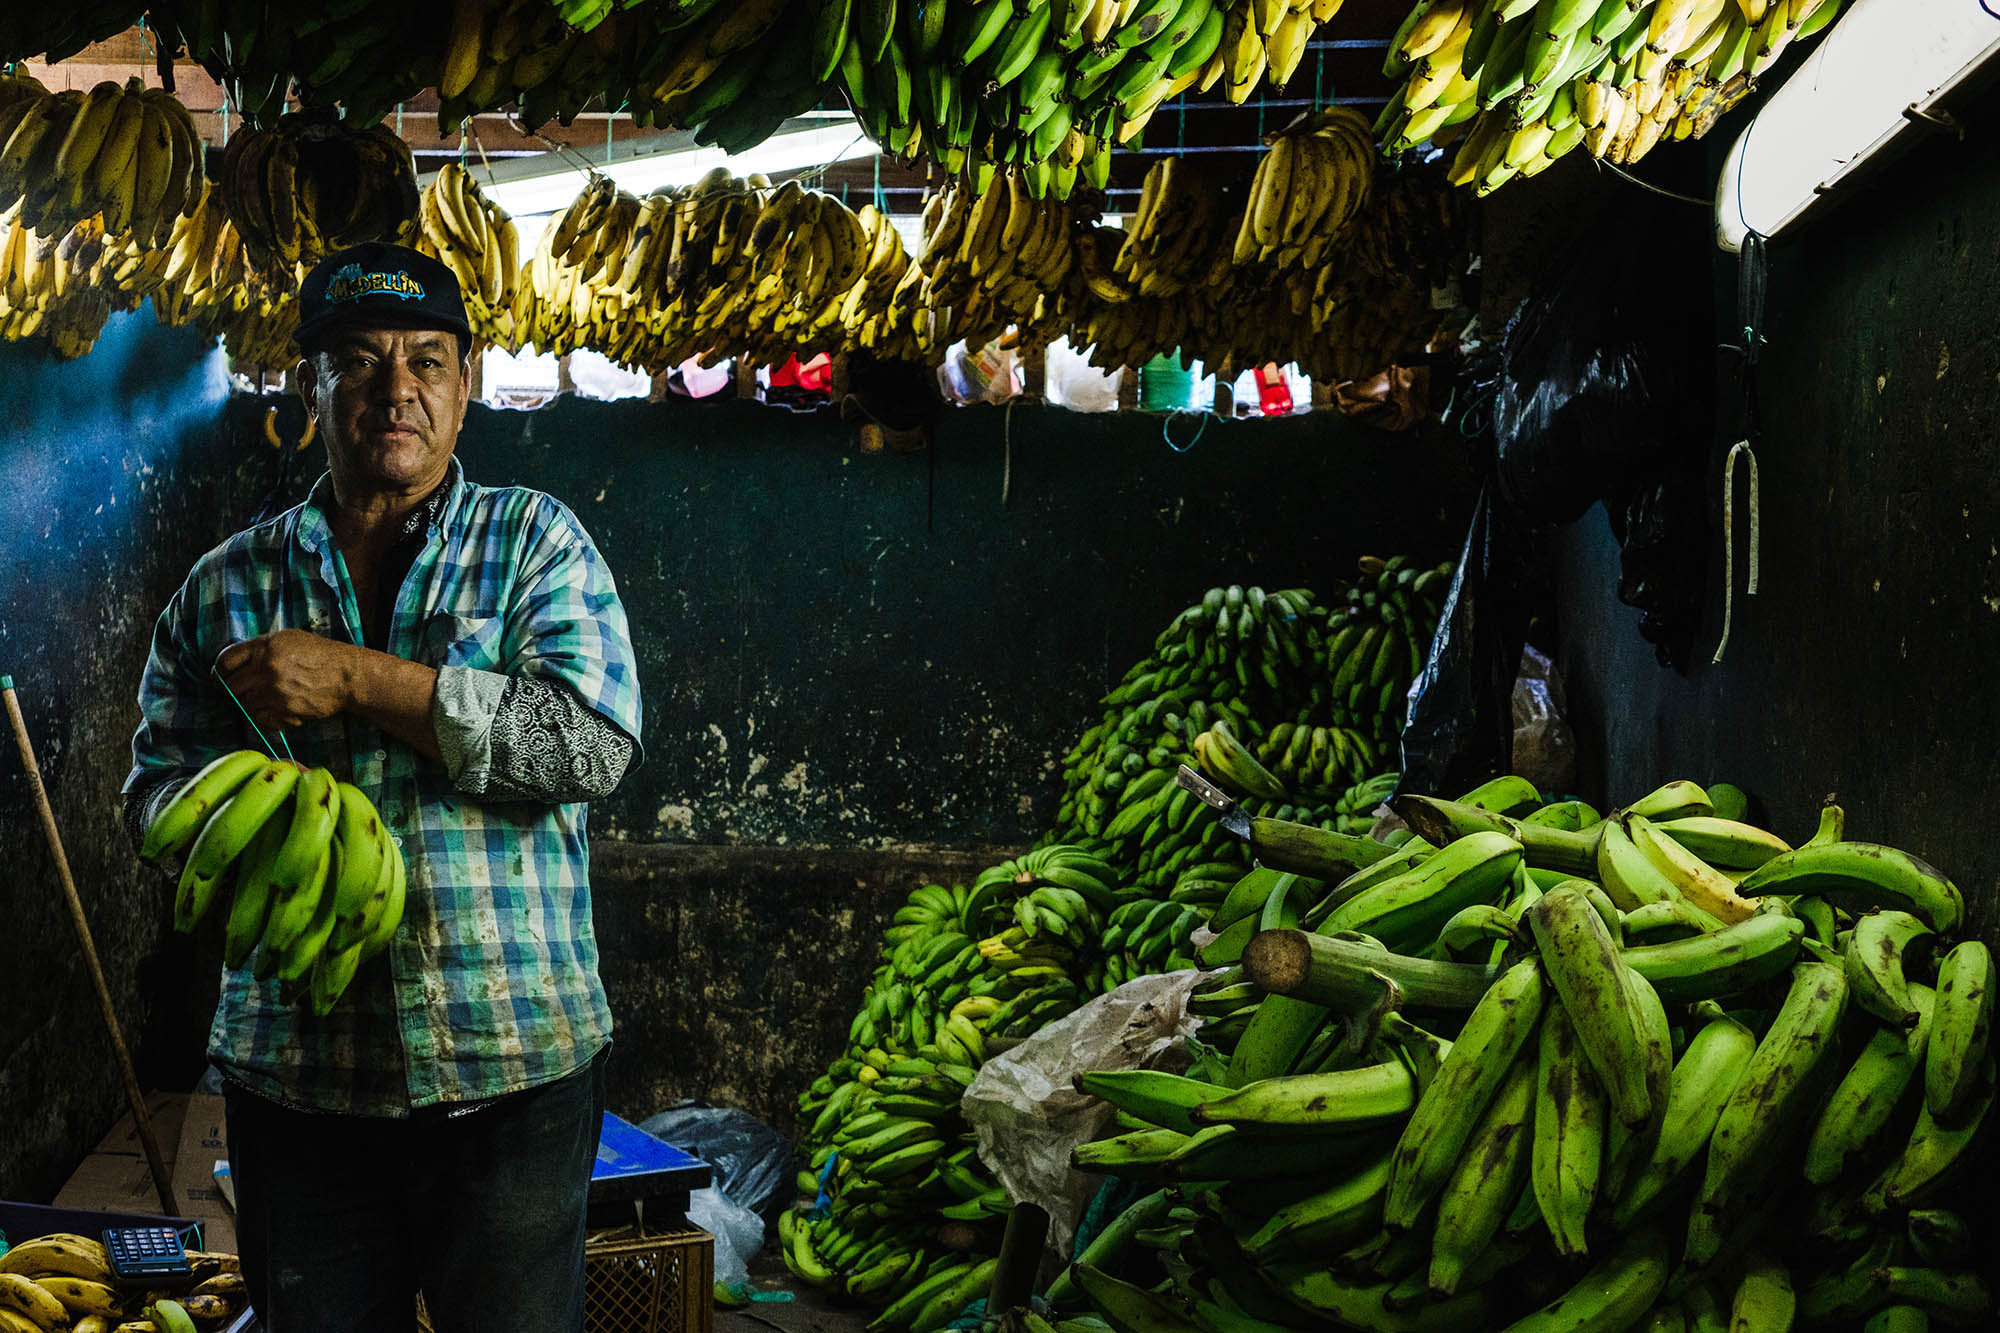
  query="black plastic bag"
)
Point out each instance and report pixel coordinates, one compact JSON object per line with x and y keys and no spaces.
{"x":752,"y":1161}
{"x":1460,"y":728}
{"x":1604,"y":394}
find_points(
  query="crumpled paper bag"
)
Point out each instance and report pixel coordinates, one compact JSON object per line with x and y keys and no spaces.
{"x":1396,"y":399}
{"x":1028,"y":1115}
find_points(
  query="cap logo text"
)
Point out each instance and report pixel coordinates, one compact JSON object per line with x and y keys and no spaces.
{"x":350,"y":283}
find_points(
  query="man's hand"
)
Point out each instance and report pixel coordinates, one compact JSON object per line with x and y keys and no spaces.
{"x":292,"y":677}
{"x":289,"y":678}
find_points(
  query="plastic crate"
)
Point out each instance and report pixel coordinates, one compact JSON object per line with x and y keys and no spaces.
{"x":644,"y":1282}
{"x":649,"y":1282}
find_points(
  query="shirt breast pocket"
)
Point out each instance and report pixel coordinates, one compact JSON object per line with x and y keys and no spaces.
{"x":477,"y":642}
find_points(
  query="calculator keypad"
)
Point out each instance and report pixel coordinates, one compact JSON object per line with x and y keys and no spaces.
{"x":145,"y":1250}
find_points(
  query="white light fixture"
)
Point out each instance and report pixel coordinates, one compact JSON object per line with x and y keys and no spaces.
{"x":1869,"y":82}
{"x":526,"y":186}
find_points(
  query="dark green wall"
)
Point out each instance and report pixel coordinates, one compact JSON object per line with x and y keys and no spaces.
{"x":859,"y":671}
{"x":1864,"y":667}
{"x":842,"y":649}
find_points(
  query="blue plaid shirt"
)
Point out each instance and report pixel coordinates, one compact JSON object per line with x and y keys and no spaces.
{"x":491,"y":984}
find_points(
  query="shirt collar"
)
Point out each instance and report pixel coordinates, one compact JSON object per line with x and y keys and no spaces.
{"x":315,"y":531}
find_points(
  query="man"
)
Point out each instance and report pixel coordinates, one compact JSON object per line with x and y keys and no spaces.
{"x":459,"y":653}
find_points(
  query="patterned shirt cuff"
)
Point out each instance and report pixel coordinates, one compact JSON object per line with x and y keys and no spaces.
{"x":467,"y":702}
{"x":517,"y":738}
{"x":143,"y":803}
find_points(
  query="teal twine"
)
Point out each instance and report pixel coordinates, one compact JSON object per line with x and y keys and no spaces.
{"x":1175,"y":445}
{"x":217,"y":672}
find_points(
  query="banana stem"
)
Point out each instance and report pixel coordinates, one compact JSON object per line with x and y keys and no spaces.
{"x":1020,"y":1257}
{"x":140,"y":1118}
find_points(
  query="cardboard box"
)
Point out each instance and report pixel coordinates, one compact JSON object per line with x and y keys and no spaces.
{"x":204,"y":1142}
{"x":115,"y":1178}
{"x":164,"y":1110}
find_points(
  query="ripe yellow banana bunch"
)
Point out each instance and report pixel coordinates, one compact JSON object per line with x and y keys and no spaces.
{"x":63,"y":1283}
{"x":1411,"y":229}
{"x":475,"y":238}
{"x":318,"y":882}
{"x":1346,"y":291}
{"x":521,"y":51}
{"x":124,"y":153}
{"x":259,"y":338}
{"x":311,"y":186}
{"x":207,"y":273}
{"x":732,"y":266}
{"x":993,"y":259}
{"x":1317,"y":177}
{"x":41,"y":295}
{"x":1178,"y":240}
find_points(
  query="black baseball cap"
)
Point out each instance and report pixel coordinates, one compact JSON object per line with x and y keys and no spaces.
{"x":381,"y":285}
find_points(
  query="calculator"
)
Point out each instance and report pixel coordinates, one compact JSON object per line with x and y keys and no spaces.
{"x":150,"y":1255}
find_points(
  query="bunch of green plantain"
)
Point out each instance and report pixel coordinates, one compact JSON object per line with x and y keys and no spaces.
{"x":1520,"y":83}
{"x":901,"y":1213}
{"x":1377,"y":641}
{"x":54,"y":34}
{"x":317,"y":883}
{"x":1285,"y":704}
{"x":1538,"y":1068}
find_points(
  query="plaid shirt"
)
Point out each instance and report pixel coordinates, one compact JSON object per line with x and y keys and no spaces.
{"x":491,"y":984}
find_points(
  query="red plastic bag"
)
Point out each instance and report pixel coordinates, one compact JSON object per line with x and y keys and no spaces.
{"x":1274,"y":396}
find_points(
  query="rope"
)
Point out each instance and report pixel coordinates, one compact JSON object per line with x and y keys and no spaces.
{"x":1740,"y":449}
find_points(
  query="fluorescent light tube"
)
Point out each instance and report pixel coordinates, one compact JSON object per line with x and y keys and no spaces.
{"x":1867,"y":82}
{"x":526,"y":186}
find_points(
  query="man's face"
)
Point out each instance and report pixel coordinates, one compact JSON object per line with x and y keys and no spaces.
{"x":390,"y":403}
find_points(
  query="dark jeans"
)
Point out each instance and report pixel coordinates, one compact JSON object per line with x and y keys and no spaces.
{"x":343,"y":1219}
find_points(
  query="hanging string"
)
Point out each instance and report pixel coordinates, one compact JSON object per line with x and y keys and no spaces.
{"x":217,"y":672}
{"x":480,"y":144}
{"x":1007,"y":454}
{"x":1617,"y":170}
{"x":1741,"y":449}
{"x":1750,"y":282}
{"x":1167,"y":434}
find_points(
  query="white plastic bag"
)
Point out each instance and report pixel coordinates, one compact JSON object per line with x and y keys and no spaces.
{"x":1027,"y":1114}
{"x":1070,"y":381}
{"x":738,"y":1232}
{"x":1544,"y":745}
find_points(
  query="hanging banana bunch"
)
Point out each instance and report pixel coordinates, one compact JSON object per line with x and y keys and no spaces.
{"x":122,"y":152}
{"x":310,"y":187}
{"x":1524,"y":84}
{"x":476,"y":239}
{"x":1316,"y":178}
